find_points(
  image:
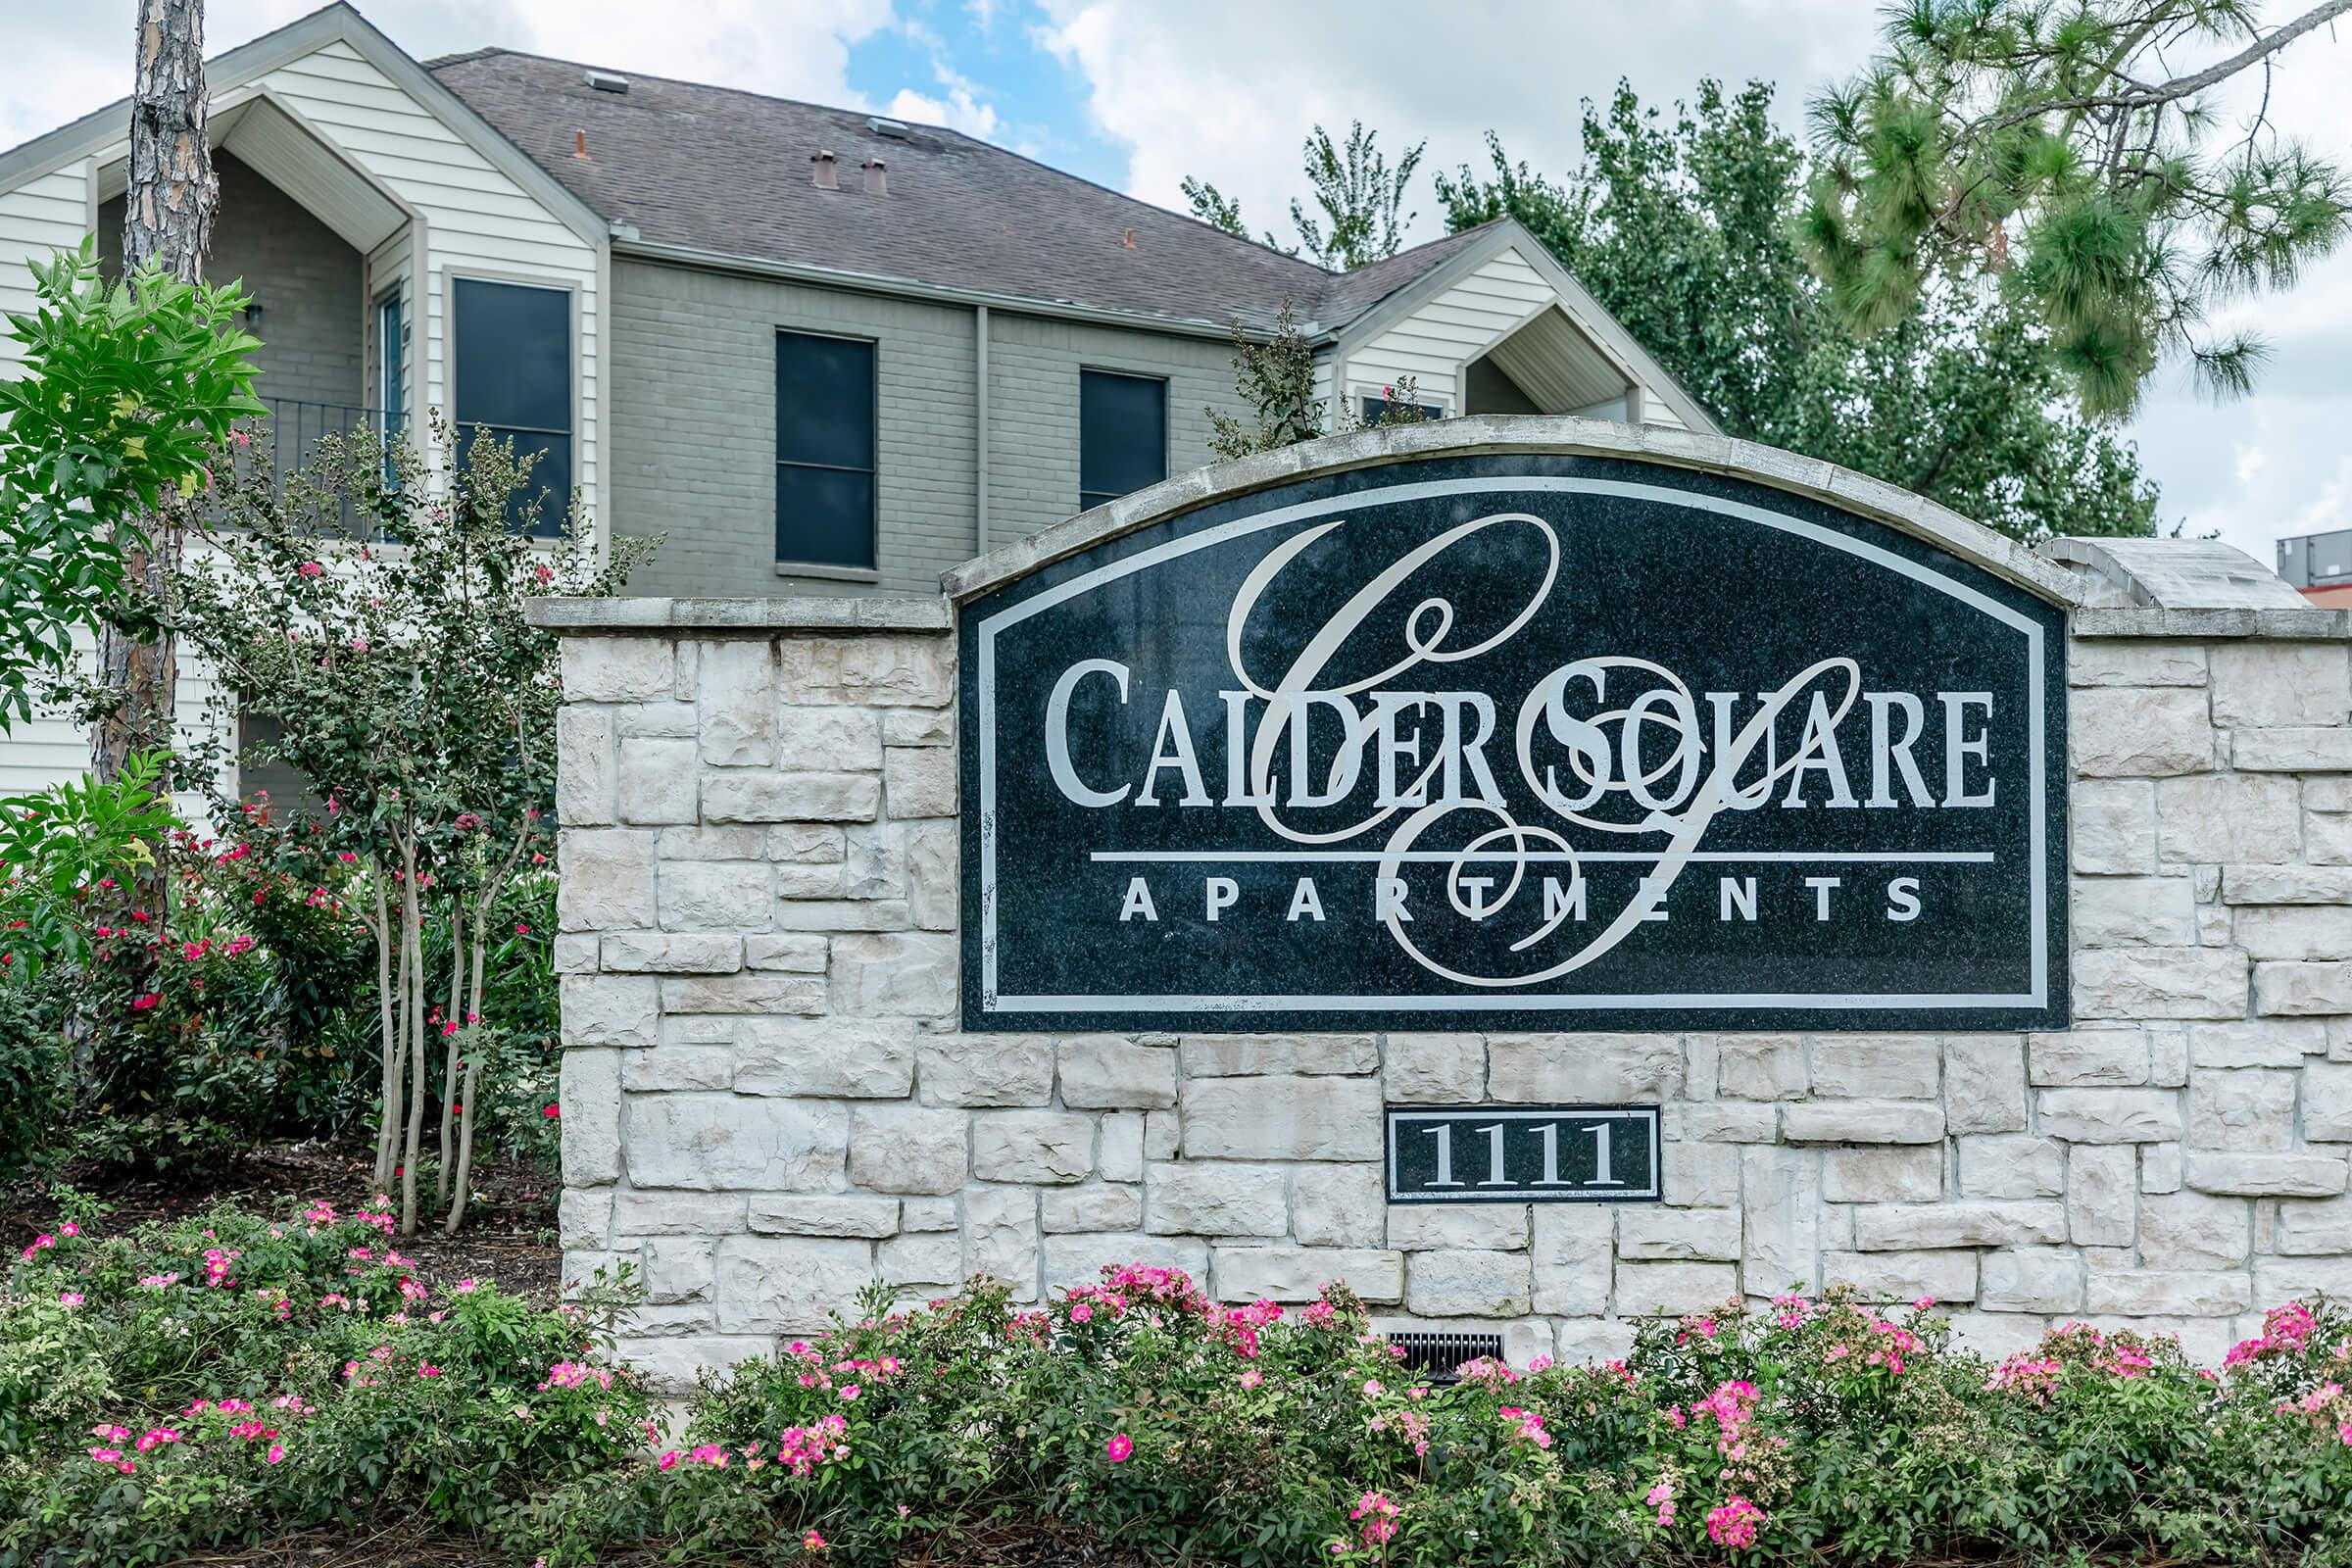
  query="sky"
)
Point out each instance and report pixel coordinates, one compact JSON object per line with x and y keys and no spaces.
{"x":1136,"y":94}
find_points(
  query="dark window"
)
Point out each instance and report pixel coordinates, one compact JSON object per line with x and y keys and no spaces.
{"x":825,"y":451}
{"x":1376,"y":409}
{"x":1122,"y":435}
{"x":514,"y":381}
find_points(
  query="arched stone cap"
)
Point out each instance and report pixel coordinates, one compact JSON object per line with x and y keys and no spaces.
{"x":2172,"y":574}
{"x":1505,"y":433}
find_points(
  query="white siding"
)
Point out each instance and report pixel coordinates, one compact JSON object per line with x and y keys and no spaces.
{"x":51,"y":748}
{"x":48,"y":214}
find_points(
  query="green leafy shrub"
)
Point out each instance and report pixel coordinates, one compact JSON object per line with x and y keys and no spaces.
{"x":226,"y":1378}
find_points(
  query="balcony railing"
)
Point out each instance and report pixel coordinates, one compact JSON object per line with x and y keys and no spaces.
{"x":290,"y":435}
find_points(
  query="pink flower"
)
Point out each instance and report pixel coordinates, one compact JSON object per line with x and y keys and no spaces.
{"x":1080,"y":1312}
{"x":278,"y":1451}
{"x":1924,"y":1302}
{"x":1118,"y":1448}
{"x":1252,"y":1378}
{"x":1372,"y":1389}
{"x":551,"y":1112}
{"x":849,"y":1390}
{"x":69,"y":1228}
{"x":142,"y":1003}
{"x":811,"y":1540}
{"x":669,"y":1460}
{"x":311,"y":569}
{"x":1733,"y":1524}
{"x":68,"y":1297}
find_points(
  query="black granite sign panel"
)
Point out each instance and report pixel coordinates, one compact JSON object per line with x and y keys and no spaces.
{"x":1523,"y":1153}
{"x":1514,"y":743}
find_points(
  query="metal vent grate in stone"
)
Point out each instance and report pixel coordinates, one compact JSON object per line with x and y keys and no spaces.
{"x":1440,"y":1355}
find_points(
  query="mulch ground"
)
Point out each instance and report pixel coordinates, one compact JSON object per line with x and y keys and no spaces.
{"x":510,"y":1231}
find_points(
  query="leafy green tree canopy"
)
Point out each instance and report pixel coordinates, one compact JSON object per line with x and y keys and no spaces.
{"x":1359,"y":197}
{"x":2054,"y":144}
{"x":1685,"y":231}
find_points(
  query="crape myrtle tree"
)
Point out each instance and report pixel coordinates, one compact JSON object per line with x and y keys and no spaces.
{"x":2071,"y":148}
{"x":418,"y":704}
{"x":1359,"y":197}
{"x":1686,"y":231}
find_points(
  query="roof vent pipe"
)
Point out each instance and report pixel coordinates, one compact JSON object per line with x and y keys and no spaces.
{"x":877,"y":177}
{"x":607,"y":80}
{"x":829,"y":171}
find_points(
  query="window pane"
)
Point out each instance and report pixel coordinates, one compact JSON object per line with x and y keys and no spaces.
{"x":826,"y":517}
{"x":513,"y":356}
{"x":1122,"y":434}
{"x":550,"y":481}
{"x":1376,"y":409}
{"x":824,"y":401}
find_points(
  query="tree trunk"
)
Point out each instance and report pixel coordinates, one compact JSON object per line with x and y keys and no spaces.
{"x":473,"y":1068}
{"x":168,"y":215}
{"x":450,"y":1040}
{"x":387,"y":1123}
{"x":412,"y":921}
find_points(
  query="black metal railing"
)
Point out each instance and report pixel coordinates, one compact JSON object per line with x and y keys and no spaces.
{"x":288,"y":437}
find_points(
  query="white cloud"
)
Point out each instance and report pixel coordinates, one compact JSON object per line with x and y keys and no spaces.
{"x":959,"y":110}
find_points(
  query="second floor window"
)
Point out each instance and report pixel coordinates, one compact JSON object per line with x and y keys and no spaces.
{"x":513,"y":380}
{"x":826,"y":500}
{"x":1122,"y":435}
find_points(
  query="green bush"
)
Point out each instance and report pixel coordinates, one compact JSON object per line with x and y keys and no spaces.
{"x":228,"y":1378}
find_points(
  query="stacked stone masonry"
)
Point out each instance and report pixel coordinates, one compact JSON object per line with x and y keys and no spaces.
{"x":767,"y":1100}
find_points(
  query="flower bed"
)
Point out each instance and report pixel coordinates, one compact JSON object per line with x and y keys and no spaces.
{"x":231,"y":1379}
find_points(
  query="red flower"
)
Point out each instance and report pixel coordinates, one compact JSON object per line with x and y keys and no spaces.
{"x":142,"y":1003}
{"x":549,"y":1111}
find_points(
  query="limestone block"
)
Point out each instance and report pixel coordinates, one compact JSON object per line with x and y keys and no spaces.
{"x":2160,"y":1166}
{"x":903,"y":726}
{"x":2119,"y":662}
{"x":927,"y":1215}
{"x":752,"y":991}
{"x":1728,"y":1121}
{"x":2136,"y":983}
{"x":1593,"y":1340}
{"x":1163,"y":1134}
{"x":670,"y":1363}
{"x":1679,"y":1234}
{"x":2110,"y":1115}
{"x":606,"y":1010}
{"x":2310,"y":1174}
{"x":1780,"y":1200}
{"x":905,"y":1149}
{"x":2259,"y":1043}
{"x":574,"y":953}
{"x":2328,"y":1102}
{"x":932,"y":867}
{"x":2030,"y":1278}
{"x":788,"y":1284}
{"x":847,"y":1059}
{"x":2301,"y":749}
{"x":883,"y":672}
{"x":792,"y":843}
{"x":1470,"y":1283}
{"x":1571,"y":1249}
{"x":822,"y":1214}
{"x":874,"y":864}
{"x":1299,"y":1273}
{"x":2012,"y":1166}
{"x":2229,"y":818}
{"x":2211,"y":1293}
{"x":1282,"y":1118}
{"x":1948,"y":1275}
{"x":986,"y":1070}
{"x":638,"y":1213}
{"x":909,"y":973}
{"x":1583,"y":1069}
{"x":2139,"y":732}
{"x":919,"y":781}
{"x":2260,"y":682}
{"x":1760,"y":1066}
{"x":672,"y":720}
{"x":585,"y":757}
{"x":762,"y":795}
{"x":676,"y":1268}
{"x":1079,"y":1258}
{"x":2303,"y":990}
{"x":1040,"y":1146}
{"x":1001,"y":1236}
{"x":1214,"y":1198}
{"x":665,"y":953}
{"x":670,"y":1067}
{"x":2295,"y":931}
{"x":2133,"y":912}
{"x":2168,"y":1055}
{"x":584,"y":1217}
{"x":605,"y":879}
{"x":2328,"y":838}
{"x":1106,"y":1072}
{"x":718,"y":1143}
{"x":656,"y":782}
{"x":935,"y":1259}
{"x":1339,"y":1206}
{"x":2305,"y":1228}
{"x":1862,"y":1121}
{"x":715,"y":895}
{"x":840,"y":914}
{"x":2192,"y":1229}
{"x":1701,"y":1175}
{"x":1984,"y":1084}
{"x":2247,"y":1108}
{"x":2088,"y":1058}
{"x":736,"y":703}
{"x":1895,"y":1174}
{"x":2102,"y":1194}
{"x":1252,"y":1055}
{"x":1434,"y":1069}
{"x":2111,"y":828}
{"x":1970,"y":1222}
{"x":1119,"y":1147}
{"x":2287,"y":883}
{"x":1096,"y":1207}
{"x":616,"y":670}
{"x":790,"y":952}
{"x":1702,"y":1065}
{"x":2286,"y":1279}
{"x":1425,"y":1227}
{"x":829,"y":740}
{"x":1875,"y":1066}
{"x":1647,"y":1290}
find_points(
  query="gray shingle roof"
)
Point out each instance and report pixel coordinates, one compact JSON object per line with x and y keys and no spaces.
{"x":728,"y":171}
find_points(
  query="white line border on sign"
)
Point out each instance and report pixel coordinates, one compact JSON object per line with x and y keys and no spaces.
{"x":992,"y":999}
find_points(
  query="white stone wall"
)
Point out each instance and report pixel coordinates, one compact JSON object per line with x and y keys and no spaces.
{"x":766,"y":1100}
